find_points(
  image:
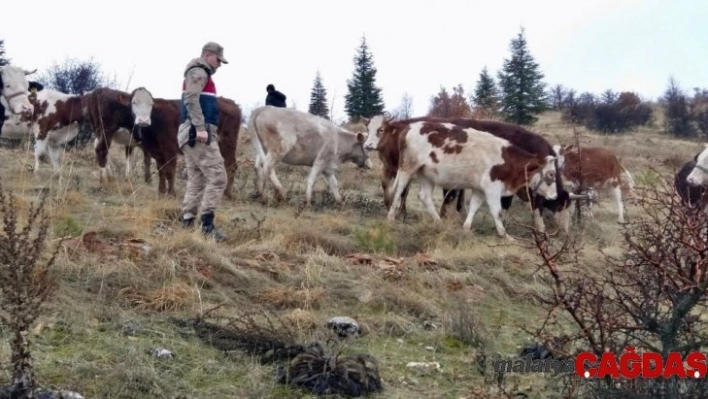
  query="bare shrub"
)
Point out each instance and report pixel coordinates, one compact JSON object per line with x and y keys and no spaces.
{"x":26,"y":282}
{"x":650,"y":297}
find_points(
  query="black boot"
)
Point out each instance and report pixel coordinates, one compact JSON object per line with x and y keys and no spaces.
{"x":209,"y":229}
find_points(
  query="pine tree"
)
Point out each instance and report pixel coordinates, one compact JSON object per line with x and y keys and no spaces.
{"x":318,"y":98}
{"x":486,"y":93}
{"x":3,"y":59}
{"x":677,"y":116}
{"x":521,"y":83}
{"x":363,"y":98}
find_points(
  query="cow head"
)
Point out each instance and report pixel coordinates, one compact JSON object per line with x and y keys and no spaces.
{"x":699,"y":174}
{"x":15,"y":89}
{"x":357,"y":153}
{"x":376,"y":127}
{"x":140,"y":102}
{"x":543,"y":180}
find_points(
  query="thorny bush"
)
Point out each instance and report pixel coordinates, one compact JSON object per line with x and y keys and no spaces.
{"x":651,"y":297}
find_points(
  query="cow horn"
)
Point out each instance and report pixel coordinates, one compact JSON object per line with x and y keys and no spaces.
{"x":577,"y":196}
{"x":30,"y":73}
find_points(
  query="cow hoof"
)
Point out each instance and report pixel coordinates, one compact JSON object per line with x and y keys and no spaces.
{"x":509,"y":238}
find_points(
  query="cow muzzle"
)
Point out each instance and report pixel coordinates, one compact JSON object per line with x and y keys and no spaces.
{"x":142,"y":122}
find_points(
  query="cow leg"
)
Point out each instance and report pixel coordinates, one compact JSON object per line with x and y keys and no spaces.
{"x":537,"y":204}
{"x":55,"y":156}
{"x":617,"y":193}
{"x":101,"y":146}
{"x":506,"y":204}
{"x":146,"y":167}
{"x":563,"y":220}
{"x":449,"y":196}
{"x":129,"y":158}
{"x":269,"y":171}
{"x":333,"y":185}
{"x":400,"y":184}
{"x":493,"y":196}
{"x":311,"y":179}
{"x":40,"y":148}
{"x":425,"y":195}
{"x":476,"y":199}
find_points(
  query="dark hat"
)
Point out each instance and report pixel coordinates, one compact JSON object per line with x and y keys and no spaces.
{"x":270,"y":87}
{"x":217,"y":49}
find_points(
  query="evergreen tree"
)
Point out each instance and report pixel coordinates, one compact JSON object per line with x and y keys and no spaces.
{"x":486,"y":93}
{"x":318,"y":98}
{"x":3,"y":59}
{"x":521,"y":82}
{"x":363,"y":98}
{"x":677,"y":116}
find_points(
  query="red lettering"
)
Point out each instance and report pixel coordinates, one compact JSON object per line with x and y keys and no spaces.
{"x":647,"y":370}
{"x":674,"y":366}
{"x":697,"y":362}
{"x":580,"y":364}
{"x":630,"y":363}
{"x":608,"y":365}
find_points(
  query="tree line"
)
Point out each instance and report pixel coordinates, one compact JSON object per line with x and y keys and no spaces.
{"x":517,"y":95}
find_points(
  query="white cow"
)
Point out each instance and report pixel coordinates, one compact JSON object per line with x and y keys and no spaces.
{"x":14,"y":89}
{"x":454,"y":157}
{"x":300,"y":138}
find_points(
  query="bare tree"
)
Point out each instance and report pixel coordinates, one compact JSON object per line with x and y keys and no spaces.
{"x":405,"y":110}
{"x":557,"y":97}
{"x":444,"y":105}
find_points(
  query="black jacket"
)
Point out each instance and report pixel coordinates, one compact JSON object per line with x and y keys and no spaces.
{"x":276,"y":99}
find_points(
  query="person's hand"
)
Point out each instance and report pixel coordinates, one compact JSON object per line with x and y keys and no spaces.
{"x":202,"y":136}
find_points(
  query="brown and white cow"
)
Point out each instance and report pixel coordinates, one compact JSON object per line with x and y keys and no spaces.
{"x":300,"y":138}
{"x":120,"y":116}
{"x":383,"y":137}
{"x":601,"y":169}
{"x":14,"y":90}
{"x":454,"y":157}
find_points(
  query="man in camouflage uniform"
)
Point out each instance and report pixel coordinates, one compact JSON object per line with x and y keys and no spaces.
{"x":198,"y":139}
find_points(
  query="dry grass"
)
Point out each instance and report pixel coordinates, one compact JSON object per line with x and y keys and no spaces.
{"x":422,"y":293}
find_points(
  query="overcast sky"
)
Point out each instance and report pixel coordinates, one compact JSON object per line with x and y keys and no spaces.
{"x":418,"y":46}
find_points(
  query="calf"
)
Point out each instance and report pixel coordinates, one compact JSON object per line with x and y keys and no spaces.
{"x":455,"y":157}
{"x":692,"y":195}
{"x":383,"y":136}
{"x":14,"y":90}
{"x":300,"y":138}
{"x":114,"y":114}
{"x":600,"y":169}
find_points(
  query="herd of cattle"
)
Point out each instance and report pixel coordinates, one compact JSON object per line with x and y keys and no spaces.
{"x":494,"y":160}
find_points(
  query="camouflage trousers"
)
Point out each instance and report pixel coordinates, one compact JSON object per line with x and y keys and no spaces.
{"x":206,"y":177}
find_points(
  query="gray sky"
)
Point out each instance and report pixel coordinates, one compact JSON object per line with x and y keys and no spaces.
{"x":417,"y":45}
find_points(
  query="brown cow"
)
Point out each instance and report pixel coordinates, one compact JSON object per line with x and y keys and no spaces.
{"x":110,"y":110}
{"x":600,"y":168}
{"x":159,"y":139}
{"x":455,"y":157}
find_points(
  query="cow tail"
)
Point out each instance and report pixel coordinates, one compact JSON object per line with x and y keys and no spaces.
{"x":258,"y":152}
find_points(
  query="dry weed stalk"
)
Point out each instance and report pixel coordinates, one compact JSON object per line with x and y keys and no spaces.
{"x":25,"y":282}
{"x":651,"y":297}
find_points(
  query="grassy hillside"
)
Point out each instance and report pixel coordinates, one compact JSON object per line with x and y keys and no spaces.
{"x":429,"y":294}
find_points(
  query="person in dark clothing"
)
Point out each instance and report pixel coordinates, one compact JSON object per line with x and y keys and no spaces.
{"x":274,"y":97}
